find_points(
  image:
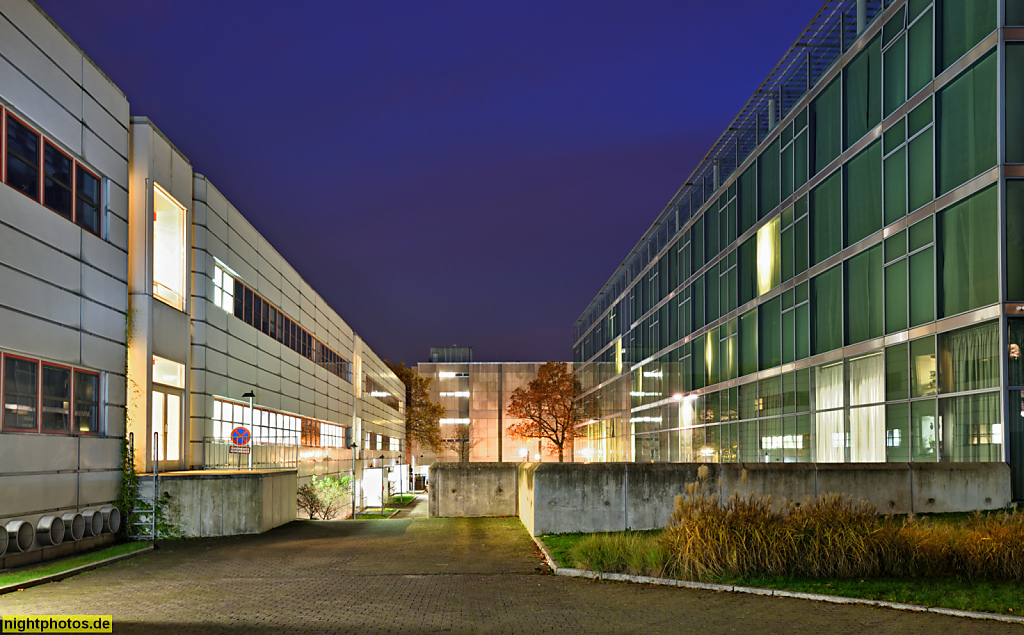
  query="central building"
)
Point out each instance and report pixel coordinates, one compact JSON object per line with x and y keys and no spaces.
{"x":838,"y":280}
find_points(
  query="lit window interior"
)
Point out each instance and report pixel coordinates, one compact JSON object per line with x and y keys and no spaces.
{"x":168,"y":249}
{"x":223,"y":289}
{"x":769,"y":270}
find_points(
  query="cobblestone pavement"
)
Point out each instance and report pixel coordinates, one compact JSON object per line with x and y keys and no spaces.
{"x":420,"y":576}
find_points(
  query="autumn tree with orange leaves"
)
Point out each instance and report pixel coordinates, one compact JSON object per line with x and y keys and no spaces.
{"x":548,"y":408}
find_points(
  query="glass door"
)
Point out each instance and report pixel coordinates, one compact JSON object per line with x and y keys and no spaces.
{"x":167,"y":424}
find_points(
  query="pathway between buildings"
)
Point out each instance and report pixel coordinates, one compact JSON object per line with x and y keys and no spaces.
{"x":419,"y":575}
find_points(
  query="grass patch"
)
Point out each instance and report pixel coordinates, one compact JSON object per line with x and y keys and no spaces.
{"x":60,"y":566}
{"x":388,"y":511}
{"x":1005,"y":597}
{"x":401,"y":499}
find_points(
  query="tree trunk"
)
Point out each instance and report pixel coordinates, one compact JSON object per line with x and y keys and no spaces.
{"x":560,"y":459}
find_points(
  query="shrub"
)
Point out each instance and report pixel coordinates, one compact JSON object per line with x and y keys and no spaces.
{"x":830,"y":537}
{"x":323,"y":496}
{"x":632,"y":552}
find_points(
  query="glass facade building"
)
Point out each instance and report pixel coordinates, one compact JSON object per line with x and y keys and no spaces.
{"x":839,"y":279}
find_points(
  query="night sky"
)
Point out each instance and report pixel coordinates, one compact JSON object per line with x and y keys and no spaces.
{"x":443,"y":173}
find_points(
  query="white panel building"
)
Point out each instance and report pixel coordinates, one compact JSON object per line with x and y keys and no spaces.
{"x":137,"y":301}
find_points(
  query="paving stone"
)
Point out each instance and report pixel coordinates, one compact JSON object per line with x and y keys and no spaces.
{"x":421,"y":575}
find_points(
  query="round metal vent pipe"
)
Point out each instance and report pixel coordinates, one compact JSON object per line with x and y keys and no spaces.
{"x":3,"y":542}
{"x":111,"y":519}
{"x":93,"y":522}
{"x":20,"y":535}
{"x":50,"y":530}
{"x":74,"y":525}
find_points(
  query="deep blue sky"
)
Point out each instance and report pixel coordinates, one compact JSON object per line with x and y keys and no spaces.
{"x":465,"y":172}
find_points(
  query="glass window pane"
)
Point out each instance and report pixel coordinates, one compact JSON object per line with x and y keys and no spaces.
{"x":769,"y":333}
{"x":919,"y":117}
{"x":922,"y":287}
{"x":864,"y":302}
{"x":748,"y":343}
{"x":924,"y":428}
{"x":87,"y":391}
{"x":896,"y":297}
{"x":826,"y":218}
{"x":920,"y":234}
{"x":896,"y":186}
{"x":895,"y":135}
{"x":967,"y":125}
{"x":768,"y":178}
{"x":962,"y":24}
{"x":894,"y":26}
{"x":787,"y":254}
{"x":830,"y":430}
{"x":863,"y":193}
{"x":972,"y":428}
{"x":897,"y":379}
{"x":967,"y":261}
{"x":800,"y":160}
{"x":897,"y":433}
{"x":969,"y":358}
{"x":1015,"y":240}
{"x":825,"y":126}
{"x":20,"y":391}
{"x":919,"y":170}
{"x":800,"y":246}
{"x":788,"y":337}
{"x":22,"y":158}
{"x":919,"y":54}
{"x":769,"y":271}
{"x":1015,"y":352}
{"x":1014,"y":12}
{"x":923,"y":379}
{"x":803,"y":331}
{"x":896,"y":246}
{"x":863,"y":92}
{"x":57,"y":182}
{"x":786,"y":169}
{"x":827,"y":298}
{"x":895,"y":63}
{"x":748,"y":199}
{"x":56,"y":407}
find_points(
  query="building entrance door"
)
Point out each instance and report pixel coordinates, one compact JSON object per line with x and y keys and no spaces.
{"x":167,"y":424}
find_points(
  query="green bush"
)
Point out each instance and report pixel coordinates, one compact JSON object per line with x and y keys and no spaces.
{"x":830,"y":537}
{"x":323,"y":496}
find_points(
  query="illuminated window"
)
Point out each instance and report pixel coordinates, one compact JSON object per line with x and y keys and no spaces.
{"x":454,"y":421}
{"x":223,"y":289}
{"x":456,"y":393}
{"x":87,"y":402}
{"x":168,"y":373}
{"x":769,"y":270}
{"x":168,"y":249}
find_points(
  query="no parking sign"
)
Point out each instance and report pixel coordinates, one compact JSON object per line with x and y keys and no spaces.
{"x":239,"y":441}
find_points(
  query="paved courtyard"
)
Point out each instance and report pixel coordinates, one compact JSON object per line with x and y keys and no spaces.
{"x":420,"y":575}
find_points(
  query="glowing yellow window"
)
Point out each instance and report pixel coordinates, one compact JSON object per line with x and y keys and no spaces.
{"x":168,"y":249}
{"x":769,"y":260}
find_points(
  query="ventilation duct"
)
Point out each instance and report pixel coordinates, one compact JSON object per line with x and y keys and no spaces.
{"x":74,"y":525}
{"x":20,"y":535}
{"x":93,"y":522}
{"x":50,"y":530}
{"x":111,"y":519}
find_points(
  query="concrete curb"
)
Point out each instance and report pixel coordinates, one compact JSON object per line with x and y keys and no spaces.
{"x":779,"y":593}
{"x":56,"y":577}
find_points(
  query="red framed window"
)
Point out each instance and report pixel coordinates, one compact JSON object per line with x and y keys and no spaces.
{"x":22,"y":157}
{"x":58,"y":171}
{"x":55,"y":410}
{"x":87,"y":402}
{"x":21,"y":393}
{"x":87,"y":200}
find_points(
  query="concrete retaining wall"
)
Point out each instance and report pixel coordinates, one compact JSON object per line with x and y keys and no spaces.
{"x":567,"y":497}
{"x":472,"y":490}
{"x":209,"y":503}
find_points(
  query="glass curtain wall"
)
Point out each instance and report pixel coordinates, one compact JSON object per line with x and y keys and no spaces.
{"x":865,"y":214}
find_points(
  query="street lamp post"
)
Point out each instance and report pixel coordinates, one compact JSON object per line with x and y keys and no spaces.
{"x":383,"y":476}
{"x":252,"y":424}
{"x":401,"y":476}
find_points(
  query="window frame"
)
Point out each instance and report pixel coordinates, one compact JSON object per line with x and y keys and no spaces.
{"x":99,"y":202}
{"x":3,"y":393}
{"x":74,"y":401}
{"x":8,"y":115}
{"x":71,"y":397}
{"x":45,"y":175}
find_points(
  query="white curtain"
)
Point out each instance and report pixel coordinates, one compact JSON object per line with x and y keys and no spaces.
{"x":830,"y":435}
{"x":867,"y":425}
